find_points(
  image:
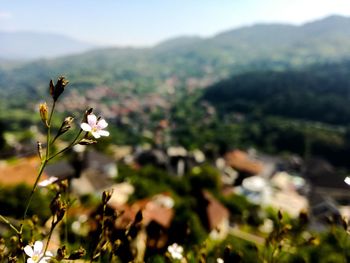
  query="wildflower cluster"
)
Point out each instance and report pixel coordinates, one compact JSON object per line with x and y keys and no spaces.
{"x":90,"y":128}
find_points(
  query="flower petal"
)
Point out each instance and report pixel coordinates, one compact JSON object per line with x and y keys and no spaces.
{"x":96,"y":134}
{"x":29,"y":260}
{"x":103,"y":133}
{"x":28,"y":250}
{"x":101,"y":124}
{"x":85,"y":127}
{"x":48,"y":181}
{"x":347,"y":180}
{"x":38,"y":247}
{"x":92,"y":119}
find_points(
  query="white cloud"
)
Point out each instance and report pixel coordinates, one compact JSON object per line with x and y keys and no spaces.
{"x":5,"y":15}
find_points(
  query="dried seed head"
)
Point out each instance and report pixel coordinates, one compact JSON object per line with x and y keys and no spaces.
{"x":77,"y":254}
{"x":61,"y":253}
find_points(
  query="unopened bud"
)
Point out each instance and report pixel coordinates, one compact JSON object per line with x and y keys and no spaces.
{"x":279,"y":215}
{"x":106,"y":196}
{"x":40,"y":150}
{"x":43,"y":110}
{"x":57,"y":90}
{"x":138,"y":217}
{"x":87,"y":112}
{"x":58,"y":208}
{"x":66,"y":125}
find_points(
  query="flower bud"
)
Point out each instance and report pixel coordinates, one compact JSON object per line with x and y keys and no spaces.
{"x":57,"y":90}
{"x":61,"y":253}
{"x":44,"y":113}
{"x":40,"y":150}
{"x":138,"y":217}
{"x":55,"y":203}
{"x":66,"y":125}
{"x":279,"y":215}
{"x":87,"y":112}
{"x":106,"y":196}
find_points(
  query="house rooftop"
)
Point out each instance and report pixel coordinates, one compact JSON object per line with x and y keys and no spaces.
{"x":216,"y":212}
{"x":241,"y":161}
{"x":152,"y":210}
{"x":23,"y":170}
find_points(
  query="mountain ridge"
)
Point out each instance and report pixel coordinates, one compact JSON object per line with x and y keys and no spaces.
{"x":28,"y":45}
{"x":211,"y":59}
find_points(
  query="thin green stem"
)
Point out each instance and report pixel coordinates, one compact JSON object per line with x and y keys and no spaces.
{"x":48,"y":139}
{"x":68,"y":147}
{"x":9,"y":224}
{"x":41,"y":170}
{"x":53,"y":225}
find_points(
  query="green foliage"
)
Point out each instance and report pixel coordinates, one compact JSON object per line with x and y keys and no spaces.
{"x":205,"y":177}
{"x":238,"y":205}
{"x":186,"y":227}
{"x":233,"y":249}
{"x":318,"y":93}
{"x":11,"y":202}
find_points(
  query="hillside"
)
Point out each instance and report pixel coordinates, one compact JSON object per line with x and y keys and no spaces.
{"x":264,"y":46}
{"x":318,"y":93}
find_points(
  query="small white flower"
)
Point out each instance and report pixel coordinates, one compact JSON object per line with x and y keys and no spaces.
{"x":176,"y":251}
{"x":219,"y":260}
{"x":347,"y":180}
{"x":95,"y":126}
{"x":36,"y":255}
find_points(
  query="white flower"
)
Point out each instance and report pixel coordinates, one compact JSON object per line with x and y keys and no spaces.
{"x":347,"y":180}
{"x":95,"y":126}
{"x":219,"y":260}
{"x":37,"y":255}
{"x":176,"y":251}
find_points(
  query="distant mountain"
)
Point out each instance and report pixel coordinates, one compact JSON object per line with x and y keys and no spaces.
{"x":257,"y":47}
{"x":31,"y":45}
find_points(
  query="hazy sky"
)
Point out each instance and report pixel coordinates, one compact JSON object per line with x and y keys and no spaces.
{"x":146,"y":22}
